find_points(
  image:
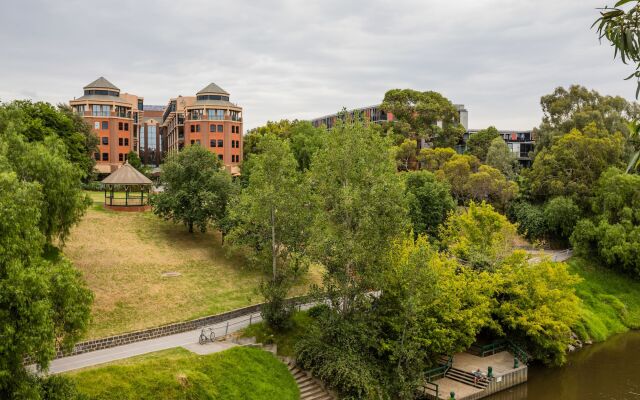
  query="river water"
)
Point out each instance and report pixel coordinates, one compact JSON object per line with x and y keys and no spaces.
{"x":603,"y":371}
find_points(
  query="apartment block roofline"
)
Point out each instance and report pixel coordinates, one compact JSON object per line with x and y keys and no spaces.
{"x":101,"y":83}
{"x":213,"y":89}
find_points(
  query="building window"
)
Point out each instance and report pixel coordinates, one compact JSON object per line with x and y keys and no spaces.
{"x":105,"y":156}
{"x":220,"y":143}
{"x":212,"y":143}
{"x":120,"y":157}
{"x":126,"y":141}
{"x":220,"y":128}
{"x":212,"y":128}
{"x":120,"y":141}
{"x":96,"y":156}
{"x":192,"y":141}
{"x":120,"y":126}
{"x":126,"y":126}
{"x":215,"y":114}
{"x":220,"y":157}
{"x":195,"y":128}
{"x":105,"y":125}
{"x":105,"y":140}
{"x":98,"y":110}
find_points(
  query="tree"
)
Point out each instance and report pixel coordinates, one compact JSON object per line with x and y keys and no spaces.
{"x":39,"y":121}
{"x":45,"y":162}
{"x":573,"y":164}
{"x":537,"y":306}
{"x":561,"y":215}
{"x":362,"y":207}
{"x":406,"y":153}
{"x":530,"y":219}
{"x":196,"y":189}
{"x":457,"y":171}
{"x":430,"y":115}
{"x":134,"y":160}
{"x":501,"y":158}
{"x":488,"y":184}
{"x":577,"y":108}
{"x":479,"y":142}
{"x":43,"y":302}
{"x":305,"y":142}
{"x":434,"y":159}
{"x":429,"y":201}
{"x":479,"y":237}
{"x":612,"y":235}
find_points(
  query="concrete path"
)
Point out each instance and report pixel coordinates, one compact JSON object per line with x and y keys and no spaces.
{"x":188,"y":340}
{"x":554,"y":255}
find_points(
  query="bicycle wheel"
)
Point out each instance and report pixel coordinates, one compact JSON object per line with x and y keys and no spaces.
{"x":212,"y":336}
{"x":203,"y":338}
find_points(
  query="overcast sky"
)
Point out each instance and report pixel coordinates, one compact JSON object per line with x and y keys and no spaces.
{"x":304,"y":59}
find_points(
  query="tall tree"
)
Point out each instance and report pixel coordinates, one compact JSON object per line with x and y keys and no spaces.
{"x":196,"y":189}
{"x":430,"y":115}
{"x":501,"y":158}
{"x":406,"y":154}
{"x":429,"y":201}
{"x":479,"y":142}
{"x":362,"y":208}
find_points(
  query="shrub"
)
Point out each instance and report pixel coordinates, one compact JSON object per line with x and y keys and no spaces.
{"x":561,"y":214}
{"x":276,"y":311}
{"x":530,"y":219}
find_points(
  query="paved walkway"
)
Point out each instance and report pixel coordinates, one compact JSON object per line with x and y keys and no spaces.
{"x":188,"y":340}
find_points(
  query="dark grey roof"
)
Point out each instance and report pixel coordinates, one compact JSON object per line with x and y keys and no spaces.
{"x":127,"y":175}
{"x":213,"y":88}
{"x":152,"y":107}
{"x":101,"y":83}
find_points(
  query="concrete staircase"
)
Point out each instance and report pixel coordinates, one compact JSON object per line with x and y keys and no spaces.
{"x":310,"y":388}
{"x":467,"y":378}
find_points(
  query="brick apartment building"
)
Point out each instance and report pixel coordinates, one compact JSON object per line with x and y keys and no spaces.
{"x":208,"y":119}
{"x":151,"y":143}
{"x":115,"y":118}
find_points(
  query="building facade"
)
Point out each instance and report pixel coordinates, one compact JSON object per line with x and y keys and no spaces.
{"x":378,"y":115}
{"x":207,"y":119}
{"x":115,"y":118}
{"x":150,"y":138}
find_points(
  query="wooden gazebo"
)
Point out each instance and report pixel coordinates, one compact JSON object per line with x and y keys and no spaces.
{"x":125,"y":189}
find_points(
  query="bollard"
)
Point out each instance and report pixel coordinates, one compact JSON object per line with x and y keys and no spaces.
{"x":490,"y":372}
{"x":250,"y":316}
{"x":453,"y":396}
{"x":226,"y":330}
{"x":515,"y":362}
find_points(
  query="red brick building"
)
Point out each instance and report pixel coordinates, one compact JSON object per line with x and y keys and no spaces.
{"x":207,"y":119}
{"x":114,"y":117}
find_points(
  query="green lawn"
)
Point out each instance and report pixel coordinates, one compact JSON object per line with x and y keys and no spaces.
{"x":125,"y":257}
{"x":610,"y":301}
{"x":239,"y":373}
{"x":285,"y":340}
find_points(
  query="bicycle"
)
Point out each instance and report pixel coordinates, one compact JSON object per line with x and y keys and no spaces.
{"x":204,"y":338}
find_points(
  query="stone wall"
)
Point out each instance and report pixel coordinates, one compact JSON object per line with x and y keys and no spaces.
{"x":165,"y":330}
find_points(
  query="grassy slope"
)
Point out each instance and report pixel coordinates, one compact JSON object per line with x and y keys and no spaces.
{"x":286,"y":340}
{"x":238,"y":373}
{"x":123,"y":255}
{"x":610,"y":301}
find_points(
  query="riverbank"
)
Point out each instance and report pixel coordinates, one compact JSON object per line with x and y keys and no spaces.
{"x":610,"y":301}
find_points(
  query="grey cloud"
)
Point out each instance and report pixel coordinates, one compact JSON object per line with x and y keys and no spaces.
{"x":300,"y":59}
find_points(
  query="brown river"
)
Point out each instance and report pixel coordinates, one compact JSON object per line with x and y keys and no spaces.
{"x":603,"y":371}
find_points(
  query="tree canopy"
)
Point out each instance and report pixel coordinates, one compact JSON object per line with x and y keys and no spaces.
{"x":479,"y":142}
{"x":430,"y":202}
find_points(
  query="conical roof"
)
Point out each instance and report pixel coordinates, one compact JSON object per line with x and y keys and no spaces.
{"x":101,"y":83}
{"x":127,"y":175}
{"x":213,"y":88}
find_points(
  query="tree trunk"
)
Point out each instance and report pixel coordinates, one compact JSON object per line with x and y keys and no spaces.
{"x":273,"y":242}
{"x":190,"y":226}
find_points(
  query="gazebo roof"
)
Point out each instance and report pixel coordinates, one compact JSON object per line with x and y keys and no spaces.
{"x":126,"y":175}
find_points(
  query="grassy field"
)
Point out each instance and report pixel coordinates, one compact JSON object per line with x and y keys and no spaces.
{"x":239,"y":373}
{"x":123,"y":257}
{"x":610,"y":301}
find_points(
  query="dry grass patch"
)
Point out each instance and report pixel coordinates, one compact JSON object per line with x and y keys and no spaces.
{"x":123,"y":256}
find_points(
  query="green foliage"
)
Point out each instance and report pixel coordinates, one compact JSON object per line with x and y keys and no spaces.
{"x":286,"y":339}
{"x":480,"y":236}
{"x":530,"y":218}
{"x":361,"y":204}
{"x":612,"y":236}
{"x":572,"y":165}
{"x":134,"y":160}
{"x":42,"y":302}
{"x":239,"y":373}
{"x":196,"y":189}
{"x":406,"y":154}
{"x":577,"y":108}
{"x":276,"y":311}
{"x":501,"y":158}
{"x":561,"y":215}
{"x":537,"y":306}
{"x":479,"y":142}
{"x":429,"y":115}
{"x":39,"y":121}
{"x":434,"y":159}
{"x":429,"y":201}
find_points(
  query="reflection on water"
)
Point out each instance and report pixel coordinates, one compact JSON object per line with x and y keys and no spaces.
{"x":607,"y":371}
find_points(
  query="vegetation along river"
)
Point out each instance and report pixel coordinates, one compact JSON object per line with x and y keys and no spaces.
{"x":607,"y":371}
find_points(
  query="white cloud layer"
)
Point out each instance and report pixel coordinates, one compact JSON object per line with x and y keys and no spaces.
{"x":303,"y":59}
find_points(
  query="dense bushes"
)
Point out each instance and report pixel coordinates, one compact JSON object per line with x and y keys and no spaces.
{"x":553,"y":220}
